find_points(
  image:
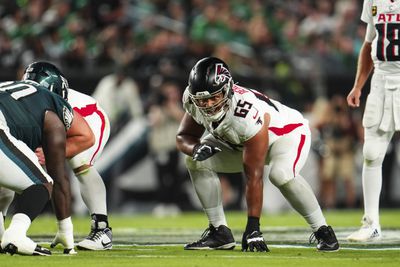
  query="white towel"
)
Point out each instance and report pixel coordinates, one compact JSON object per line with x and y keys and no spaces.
{"x":391,"y":106}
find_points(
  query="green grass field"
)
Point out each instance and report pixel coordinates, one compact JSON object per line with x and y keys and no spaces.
{"x":143,"y":240}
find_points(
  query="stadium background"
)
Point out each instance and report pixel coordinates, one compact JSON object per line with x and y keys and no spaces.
{"x":298,"y":51}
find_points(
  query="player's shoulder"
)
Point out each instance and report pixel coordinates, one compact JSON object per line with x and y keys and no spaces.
{"x":26,"y":88}
{"x":77,"y":98}
{"x":21,"y":83}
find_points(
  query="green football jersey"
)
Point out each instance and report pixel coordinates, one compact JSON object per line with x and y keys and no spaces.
{"x":24,"y":104}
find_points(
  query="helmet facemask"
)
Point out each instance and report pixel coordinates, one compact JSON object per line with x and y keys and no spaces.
{"x":218,"y":110}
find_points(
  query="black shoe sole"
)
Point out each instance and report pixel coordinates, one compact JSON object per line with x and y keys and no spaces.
{"x":10,"y":249}
{"x":39,"y":251}
{"x":229,"y":246}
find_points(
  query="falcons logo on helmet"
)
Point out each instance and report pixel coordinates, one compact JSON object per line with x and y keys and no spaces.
{"x":221,"y":73}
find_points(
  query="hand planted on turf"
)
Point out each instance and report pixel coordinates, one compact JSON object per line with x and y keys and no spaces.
{"x":204,"y":151}
{"x":254,"y":242}
{"x":66,"y":239}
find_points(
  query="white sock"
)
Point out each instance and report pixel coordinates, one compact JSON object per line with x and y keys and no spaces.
{"x":93,"y":191}
{"x":302,"y":198}
{"x":315,"y":219}
{"x":19,"y":223}
{"x":208,"y":189}
{"x":216,"y":216}
{"x":6,"y":197}
{"x":372,"y":185}
{"x":1,"y":225}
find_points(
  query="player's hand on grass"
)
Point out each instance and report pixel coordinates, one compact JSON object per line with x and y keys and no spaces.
{"x":204,"y":151}
{"x":65,"y":236}
{"x":254,"y":242}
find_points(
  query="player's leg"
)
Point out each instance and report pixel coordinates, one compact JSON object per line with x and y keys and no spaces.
{"x":208,"y":189}
{"x":20,"y":171}
{"x":374,"y":150}
{"x":288,"y":156}
{"x":93,"y":192}
{"x":91,"y":185}
{"x":6,"y":197}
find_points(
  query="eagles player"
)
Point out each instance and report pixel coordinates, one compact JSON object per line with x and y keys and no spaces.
{"x":31,"y":116}
{"x":229,"y":128}
{"x":91,"y":184}
{"x":380,"y":52}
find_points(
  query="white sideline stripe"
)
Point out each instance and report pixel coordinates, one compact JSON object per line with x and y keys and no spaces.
{"x":272,"y":246}
{"x":148,"y":247}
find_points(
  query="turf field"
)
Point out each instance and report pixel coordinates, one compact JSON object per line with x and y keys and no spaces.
{"x":143,"y":240}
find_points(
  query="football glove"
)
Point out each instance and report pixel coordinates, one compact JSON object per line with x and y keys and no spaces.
{"x":204,"y":151}
{"x":254,"y":242}
{"x":65,"y":236}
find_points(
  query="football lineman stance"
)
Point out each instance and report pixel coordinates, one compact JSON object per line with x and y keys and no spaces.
{"x":230,"y":128}
{"x":31,"y":116}
{"x":381,"y":119}
{"x":91,"y":184}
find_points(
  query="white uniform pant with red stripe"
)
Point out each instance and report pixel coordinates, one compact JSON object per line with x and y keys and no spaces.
{"x":286,"y":156}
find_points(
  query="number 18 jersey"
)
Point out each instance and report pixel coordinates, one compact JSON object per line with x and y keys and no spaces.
{"x":384,"y":15}
{"x":245,"y":118}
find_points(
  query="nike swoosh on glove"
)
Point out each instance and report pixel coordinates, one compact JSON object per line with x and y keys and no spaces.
{"x":204,"y":151}
{"x":254,"y":242}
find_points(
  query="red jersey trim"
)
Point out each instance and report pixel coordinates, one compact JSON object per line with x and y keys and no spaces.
{"x":285,"y":129}
{"x":90,"y":110}
{"x":299,"y":149}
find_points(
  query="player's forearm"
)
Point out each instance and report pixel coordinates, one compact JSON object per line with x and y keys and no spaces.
{"x":61,"y":198}
{"x":254,"y":196}
{"x":364,"y":67}
{"x":186,"y":143}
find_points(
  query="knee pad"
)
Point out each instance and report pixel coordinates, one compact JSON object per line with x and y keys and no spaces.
{"x":191,"y":164}
{"x":373,"y":154}
{"x":280,"y":175}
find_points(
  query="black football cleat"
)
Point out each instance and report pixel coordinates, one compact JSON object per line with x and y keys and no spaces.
{"x":326,"y":239}
{"x":41,"y":251}
{"x":38,"y":251}
{"x":214,"y":238}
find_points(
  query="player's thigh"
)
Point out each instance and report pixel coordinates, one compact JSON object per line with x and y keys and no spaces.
{"x":19,"y":166}
{"x":100,"y":126}
{"x":288,"y":156}
{"x":374,"y":106}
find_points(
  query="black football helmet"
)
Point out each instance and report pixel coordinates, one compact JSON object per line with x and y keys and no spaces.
{"x":49,"y":76}
{"x":208,"y":78}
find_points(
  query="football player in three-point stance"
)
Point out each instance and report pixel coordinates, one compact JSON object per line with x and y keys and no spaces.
{"x":31,"y":116}
{"x":380,"y":52}
{"x":91,"y":184}
{"x":244,"y":131}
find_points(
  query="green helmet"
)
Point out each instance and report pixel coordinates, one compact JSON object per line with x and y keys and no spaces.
{"x":49,"y":76}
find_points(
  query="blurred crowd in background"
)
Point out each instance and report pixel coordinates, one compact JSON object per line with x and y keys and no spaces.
{"x":134,"y":57}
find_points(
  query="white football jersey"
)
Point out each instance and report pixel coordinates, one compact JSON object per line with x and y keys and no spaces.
{"x":98,"y":121}
{"x":384,"y":15}
{"x":245,"y":117}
